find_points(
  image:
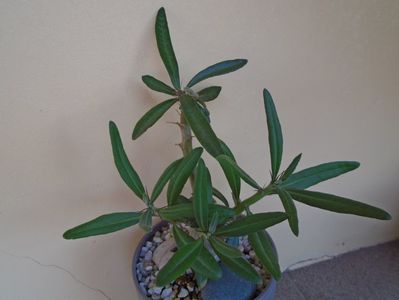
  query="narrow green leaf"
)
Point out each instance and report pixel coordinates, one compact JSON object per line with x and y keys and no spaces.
{"x":275,"y":135}
{"x":220,"y":68}
{"x":311,"y":176}
{"x":220,"y":196}
{"x":200,"y":126}
{"x":241,"y":267}
{"x":224,"y":213}
{"x":158,"y":85}
{"x":177,"y":212}
{"x":146,"y":220}
{"x":165,"y":47}
{"x":201,"y":280}
{"x":338,"y":204}
{"x":179,"y":263}
{"x":183,"y":200}
{"x":232,"y":177}
{"x":251,"y":223}
{"x":202,"y":194}
{"x":205,"y":264}
{"x":209,"y":93}
{"x":290,"y":209}
{"x":220,"y":246}
{"x":291,"y":168}
{"x":213,"y":224}
{"x":226,"y":161}
{"x":264,"y":250}
{"x":128,"y":174}
{"x":151,"y":117}
{"x":181,"y":174}
{"x":164,"y":178}
{"x":103,"y":224}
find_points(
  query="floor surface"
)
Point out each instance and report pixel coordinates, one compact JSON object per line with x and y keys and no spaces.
{"x":366,"y":274}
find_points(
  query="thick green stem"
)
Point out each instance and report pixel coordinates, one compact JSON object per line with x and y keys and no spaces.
{"x":253,"y":199}
{"x":187,"y":141}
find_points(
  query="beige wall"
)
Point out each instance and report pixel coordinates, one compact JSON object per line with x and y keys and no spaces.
{"x":67,"y":67}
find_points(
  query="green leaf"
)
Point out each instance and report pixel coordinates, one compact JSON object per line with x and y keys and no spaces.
{"x":264,"y":250}
{"x":338,"y":204}
{"x":201,"y":280}
{"x":128,"y":174}
{"x":291,"y":168}
{"x":209,"y":93}
{"x":220,"y":246}
{"x":220,"y":68}
{"x":232,"y":177}
{"x":311,"y":176}
{"x":213,"y":224}
{"x":224,"y":213}
{"x":275,"y":135}
{"x":202,"y":195}
{"x":177,"y":212}
{"x":165,"y":47}
{"x":151,"y":117}
{"x":241,"y":267}
{"x":200,"y":126}
{"x":220,"y":196}
{"x":290,"y":209}
{"x":205,"y":263}
{"x":146,"y":220}
{"x":251,"y":223}
{"x":103,"y":224}
{"x":181,"y":174}
{"x":226,"y":161}
{"x":179,"y":263}
{"x":164,"y":178}
{"x":158,"y":85}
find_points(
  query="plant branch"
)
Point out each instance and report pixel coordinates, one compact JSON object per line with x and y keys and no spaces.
{"x":187,"y":141}
{"x":240,"y":207}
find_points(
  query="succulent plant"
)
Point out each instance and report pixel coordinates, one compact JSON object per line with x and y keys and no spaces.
{"x":207,"y":211}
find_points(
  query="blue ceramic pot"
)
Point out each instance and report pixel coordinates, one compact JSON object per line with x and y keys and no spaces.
{"x":267,"y":294}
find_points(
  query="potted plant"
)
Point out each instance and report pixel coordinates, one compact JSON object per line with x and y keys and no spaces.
{"x":212,"y":238}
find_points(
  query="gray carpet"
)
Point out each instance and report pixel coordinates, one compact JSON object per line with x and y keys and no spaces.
{"x":366,"y":274}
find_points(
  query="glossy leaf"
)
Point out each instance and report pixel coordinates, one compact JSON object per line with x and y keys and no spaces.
{"x":209,"y":93}
{"x":338,"y":204}
{"x":241,"y":267}
{"x":181,"y":174}
{"x":128,"y":174}
{"x":151,"y":117}
{"x":275,"y":134}
{"x":265,"y":252}
{"x":165,"y":47}
{"x":158,"y":85}
{"x":311,"y":176}
{"x":220,"y":68}
{"x":179,"y":263}
{"x":292,"y":166}
{"x":146,"y":220}
{"x":205,"y":263}
{"x":202,"y":195}
{"x":226,"y":161}
{"x":290,"y":209}
{"x":177,"y":212}
{"x":220,"y":246}
{"x":251,"y":223}
{"x":103,"y":224}
{"x":200,"y":125}
{"x":232,"y":177}
{"x":164,"y":178}
{"x":220,"y":196}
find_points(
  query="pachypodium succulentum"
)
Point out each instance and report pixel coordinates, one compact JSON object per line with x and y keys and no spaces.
{"x":207,"y":210}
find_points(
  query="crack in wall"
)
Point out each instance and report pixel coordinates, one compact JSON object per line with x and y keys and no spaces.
{"x":59,"y":268}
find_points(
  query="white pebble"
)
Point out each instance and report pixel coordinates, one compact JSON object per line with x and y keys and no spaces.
{"x":157,"y":290}
{"x":157,"y":240}
{"x":183,"y":293}
{"x":166,"y":292}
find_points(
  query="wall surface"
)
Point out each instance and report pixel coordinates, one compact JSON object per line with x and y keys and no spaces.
{"x":68,"y":67}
